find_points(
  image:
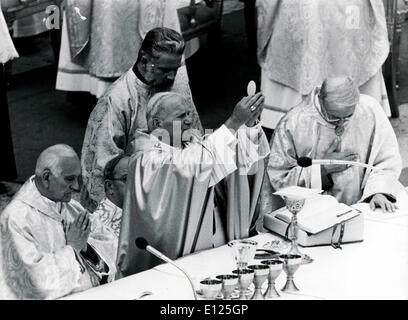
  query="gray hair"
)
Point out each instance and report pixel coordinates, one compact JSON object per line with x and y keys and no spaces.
{"x":154,"y":106}
{"x":50,"y":158}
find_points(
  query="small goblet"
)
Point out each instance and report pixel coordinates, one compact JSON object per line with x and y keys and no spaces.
{"x":261,"y":272}
{"x":229,"y":283}
{"x":243,"y":251}
{"x":291,"y":262}
{"x":245,"y":277}
{"x":210,"y":288}
{"x":275,"y":269}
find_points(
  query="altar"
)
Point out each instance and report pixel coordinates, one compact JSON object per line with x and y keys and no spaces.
{"x":376,"y":268}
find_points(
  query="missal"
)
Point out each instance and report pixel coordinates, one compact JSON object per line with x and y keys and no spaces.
{"x":322,"y":221}
{"x":319,"y":212}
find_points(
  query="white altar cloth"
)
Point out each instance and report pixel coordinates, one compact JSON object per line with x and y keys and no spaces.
{"x":376,"y":268}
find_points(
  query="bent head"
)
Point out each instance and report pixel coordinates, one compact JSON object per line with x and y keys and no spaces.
{"x":169,"y":114}
{"x":160,"y":57}
{"x":57,"y":173}
{"x":115,"y":175}
{"x":339,"y":97}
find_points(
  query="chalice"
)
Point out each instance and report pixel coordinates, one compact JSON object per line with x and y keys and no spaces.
{"x":291,"y":262}
{"x":294,"y":205}
{"x":275,"y":269}
{"x":261,"y":272}
{"x":245,"y":277}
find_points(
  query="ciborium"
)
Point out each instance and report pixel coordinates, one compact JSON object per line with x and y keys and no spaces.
{"x":275,"y":269}
{"x":261,"y":272}
{"x":245,"y":277}
{"x":291,"y":263}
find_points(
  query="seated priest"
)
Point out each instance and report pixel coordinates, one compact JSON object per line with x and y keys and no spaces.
{"x":49,"y":245}
{"x":122,"y":109}
{"x":109,"y":210}
{"x":338,"y":123}
{"x":170,"y":198}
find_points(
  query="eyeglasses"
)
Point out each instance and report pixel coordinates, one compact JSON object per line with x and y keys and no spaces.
{"x":323,"y":112}
{"x":337,"y":119}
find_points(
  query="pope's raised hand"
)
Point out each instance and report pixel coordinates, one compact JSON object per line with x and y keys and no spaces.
{"x":245,"y":111}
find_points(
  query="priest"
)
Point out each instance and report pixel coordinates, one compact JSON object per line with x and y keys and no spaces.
{"x":122,"y":109}
{"x":337,"y":123}
{"x":49,"y":245}
{"x":170,"y":198}
{"x":300,"y":43}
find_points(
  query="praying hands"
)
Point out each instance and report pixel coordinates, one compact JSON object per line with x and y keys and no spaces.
{"x":77,"y":232}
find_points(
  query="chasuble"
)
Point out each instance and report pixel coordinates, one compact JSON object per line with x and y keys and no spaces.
{"x":303,"y":132}
{"x":36,"y":262}
{"x":170,"y":198}
{"x":301,"y":43}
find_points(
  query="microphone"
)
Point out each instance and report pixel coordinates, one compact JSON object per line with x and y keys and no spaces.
{"x":142,"y":243}
{"x":307,"y":162}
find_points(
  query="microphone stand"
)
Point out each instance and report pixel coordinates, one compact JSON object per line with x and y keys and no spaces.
{"x":163,"y":257}
{"x":187,"y":276}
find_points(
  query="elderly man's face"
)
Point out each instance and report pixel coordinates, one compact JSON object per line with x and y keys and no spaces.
{"x":162,"y":70}
{"x":176,"y":118}
{"x":60,"y":187}
{"x":115,"y":188}
{"x":336,"y":113}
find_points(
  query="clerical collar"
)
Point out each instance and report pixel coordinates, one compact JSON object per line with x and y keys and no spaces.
{"x":139,"y":77}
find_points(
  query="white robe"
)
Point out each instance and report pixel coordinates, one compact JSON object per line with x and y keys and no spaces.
{"x":170,"y":195}
{"x":304,"y":133}
{"x":7,"y":50}
{"x":36,"y":262}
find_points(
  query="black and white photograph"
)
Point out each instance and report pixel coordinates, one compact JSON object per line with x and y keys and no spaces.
{"x":204,"y":154}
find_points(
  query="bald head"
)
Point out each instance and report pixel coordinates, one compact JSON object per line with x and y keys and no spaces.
{"x":52,"y":158}
{"x":339,"y":97}
{"x":57,"y":172}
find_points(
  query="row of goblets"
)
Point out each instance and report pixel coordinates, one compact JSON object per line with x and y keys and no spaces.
{"x":257,"y":273}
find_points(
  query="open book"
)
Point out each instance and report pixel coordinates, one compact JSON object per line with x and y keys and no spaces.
{"x":319,"y":213}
